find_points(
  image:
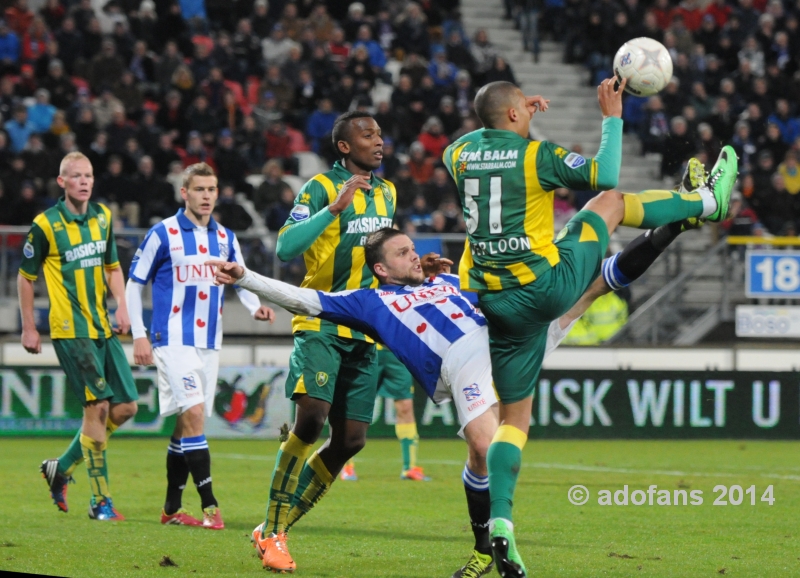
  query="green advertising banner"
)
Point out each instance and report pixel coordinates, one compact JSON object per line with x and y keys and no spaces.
{"x":639,"y":404}
{"x":249,"y":403}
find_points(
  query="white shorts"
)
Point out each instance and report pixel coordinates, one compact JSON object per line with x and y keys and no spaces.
{"x":466,"y":377}
{"x":187,"y":376}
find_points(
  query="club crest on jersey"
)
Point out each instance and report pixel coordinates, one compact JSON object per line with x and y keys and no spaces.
{"x":300,"y":212}
{"x":472,"y":392}
{"x":101,"y":220}
{"x":223,"y":251}
{"x":387,"y":194}
{"x":574,"y":160}
{"x":100,"y":384}
{"x":27,"y":250}
{"x":189,"y":383}
{"x":322,"y":378}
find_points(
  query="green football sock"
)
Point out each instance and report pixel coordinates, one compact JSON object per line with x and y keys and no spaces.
{"x":71,"y":458}
{"x":409,"y":443}
{"x":504,"y":459}
{"x":94,"y":453}
{"x":315,"y":481}
{"x":288,"y":465}
{"x":650,"y":209}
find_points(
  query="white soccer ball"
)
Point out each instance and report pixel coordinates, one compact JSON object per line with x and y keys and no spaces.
{"x":646,"y":64}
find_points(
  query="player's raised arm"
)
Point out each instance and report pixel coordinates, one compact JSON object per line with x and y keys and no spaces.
{"x":315,"y":208}
{"x":557,"y":167}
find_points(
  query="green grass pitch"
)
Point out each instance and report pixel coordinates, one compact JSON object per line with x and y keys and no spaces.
{"x":381,"y":526}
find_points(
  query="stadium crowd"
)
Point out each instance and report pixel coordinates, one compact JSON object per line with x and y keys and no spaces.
{"x":147,"y":88}
{"x":736,"y":80}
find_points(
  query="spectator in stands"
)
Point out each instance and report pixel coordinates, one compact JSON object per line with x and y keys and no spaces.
{"x":278,"y":211}
{"x":19,"y":129}
{"x":500,"y":71}
{"x":171,"y":116}
{"x":377,"y":58}
{"x":106,"y":68}
{"x":320,"y":123}
{"x":119,"y":191}
{"x":159,"y":194}
{"x":19,"y":17}
{"x":391,"y":163}
{"x":279,"y":145}
{"x":195,"y":151}
{"x":119,"y":130}
{"x":463,"y":93}
{"x":230,"y":213}
{"x":40,"y":114}
{"x":231,"y":166}
{"x":678,"y":148}
{"x":441,"y":188}
{"x":419,"y":164}
{"x":433,"y":138}
{"x":275,"y":49}
{"x":777,"y":206}
{"x":655,"y":126}
{"x":442,"y":71}
{"x":26,"y":207}
{"x":261,"y":21}
{"x":483,"y":53}
{"x":9,"y":49}
{"x":417,"y":219}
{"x":165,"y":154}
{"x":167,"y":64}
{"x":269,"y":191}
{"x":37,"y":159}
{"x":744,"y":145}
{"x":458,"y":53}
{"x":200,"y":118}
{"x":790,"y":172}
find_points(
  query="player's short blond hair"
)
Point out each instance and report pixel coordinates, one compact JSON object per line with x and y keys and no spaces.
{"x":71,"y":158}
{"x":196,"y":170}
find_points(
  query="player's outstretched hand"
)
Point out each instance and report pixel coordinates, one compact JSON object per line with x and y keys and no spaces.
{"x":537,"y":103}
{"x":433,"y":264}
{"x":142,"y":351}
{"x":264,"y":313}
{"x":226,"y":272}
{"x":31,"y":341}
{"x":348,"y":191}
{"x":610,"y":99}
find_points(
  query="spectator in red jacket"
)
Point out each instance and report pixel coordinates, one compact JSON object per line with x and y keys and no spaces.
{"x":432,"y":137}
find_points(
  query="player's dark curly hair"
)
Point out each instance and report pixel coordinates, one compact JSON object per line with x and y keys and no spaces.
{"x":342,"y":126}
{"x":373,"y":246}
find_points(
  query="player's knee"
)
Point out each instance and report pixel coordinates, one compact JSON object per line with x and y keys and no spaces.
{"x":126,"y":411}
{"x":354,"y":444}
{"x":405,"y":411}
{"x":478,"y":448}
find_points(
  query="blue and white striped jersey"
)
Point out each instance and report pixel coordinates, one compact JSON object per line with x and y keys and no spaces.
{"x":419,"y":324}
{"x":187,"y":306}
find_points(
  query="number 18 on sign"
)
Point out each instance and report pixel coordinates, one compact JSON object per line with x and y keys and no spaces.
{"x":772,"y":274}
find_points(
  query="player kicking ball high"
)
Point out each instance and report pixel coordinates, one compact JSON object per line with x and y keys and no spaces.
{"x":523,"y":277}
{"x":75,"y":243}
{"x":436,"y":332}
{"x":186,"y":333}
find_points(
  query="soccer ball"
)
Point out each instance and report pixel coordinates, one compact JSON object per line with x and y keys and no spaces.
{"x":645,"y":63}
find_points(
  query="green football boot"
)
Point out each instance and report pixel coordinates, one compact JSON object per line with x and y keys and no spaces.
{"x":694,"y":176}
{"x":478,"y":565}
{"x":721,"y":180}
{"x":504,"y":550}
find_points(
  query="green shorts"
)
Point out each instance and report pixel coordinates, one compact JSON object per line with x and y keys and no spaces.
{"x":96,"y":369}
{"x":339,"y":370}
{"x":519,"y":317}
{"x":394,"y":380}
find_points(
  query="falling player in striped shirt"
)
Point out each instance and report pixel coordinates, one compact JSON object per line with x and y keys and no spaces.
{"x":186,"y":332}
{"x":419,"y":312}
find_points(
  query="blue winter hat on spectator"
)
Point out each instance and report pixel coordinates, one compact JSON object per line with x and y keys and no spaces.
{"x":388,"y":141}
{"x":194,"y":133}
{"x":269,"y":94}
{"x":225,"y":132}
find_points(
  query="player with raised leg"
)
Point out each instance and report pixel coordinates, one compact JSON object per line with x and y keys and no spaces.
{"x":186,"y":333}
{"x":75,"y":244}
{"x":332,"y":370}
{"x":456,"y":342}
{"x":524,"y":278}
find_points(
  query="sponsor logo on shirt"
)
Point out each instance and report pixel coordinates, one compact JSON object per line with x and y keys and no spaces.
{"x":487,"y":160}
{"x":137,"y":255}
{"x":28,"y":251}
{"x":85,"y":250}
{"x":300,"y":213}
{"x":574,"y":160}
{"x":422,"y":296}
{"x":368,"y":224}
{"x":193,"y":274}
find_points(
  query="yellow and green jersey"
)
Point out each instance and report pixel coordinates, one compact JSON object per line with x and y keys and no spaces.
{"x":335,"y":259}
{"x":506,"y":185}
{"x":75,"y":251}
